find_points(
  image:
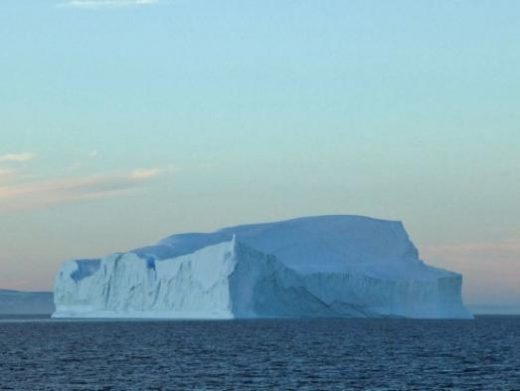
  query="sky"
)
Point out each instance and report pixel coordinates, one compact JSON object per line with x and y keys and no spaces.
{"x":124,"y":121}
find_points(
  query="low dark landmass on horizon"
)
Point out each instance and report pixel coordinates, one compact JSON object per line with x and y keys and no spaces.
{"x":31,"y":303}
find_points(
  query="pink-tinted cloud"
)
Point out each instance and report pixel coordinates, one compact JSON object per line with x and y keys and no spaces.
{"x":6,"y":173}
{"x":17,"y":157}
{"x":59,"y":191}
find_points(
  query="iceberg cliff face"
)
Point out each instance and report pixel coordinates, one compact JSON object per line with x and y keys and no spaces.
{"x":331,"y":266}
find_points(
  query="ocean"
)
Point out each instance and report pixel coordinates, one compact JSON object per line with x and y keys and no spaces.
{"x":321,"y":354}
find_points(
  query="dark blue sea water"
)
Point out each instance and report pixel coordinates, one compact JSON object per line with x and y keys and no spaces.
{"x":41,"y":354}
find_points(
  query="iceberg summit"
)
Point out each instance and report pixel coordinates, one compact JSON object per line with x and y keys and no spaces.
{"x":328,"y":266}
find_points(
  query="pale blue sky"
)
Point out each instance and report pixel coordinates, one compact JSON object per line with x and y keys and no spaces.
{"x":141,"y":120}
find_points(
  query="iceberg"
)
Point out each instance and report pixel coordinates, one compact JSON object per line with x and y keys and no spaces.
{"x":325,"y":266}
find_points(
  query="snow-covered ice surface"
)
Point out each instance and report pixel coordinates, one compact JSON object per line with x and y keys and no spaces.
{"x":328,"y":266}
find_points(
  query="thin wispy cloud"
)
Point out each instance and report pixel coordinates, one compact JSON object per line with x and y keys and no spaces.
{"x":68,"y":190}
{"x":99,"y":4}
{"x":6,"y":173}
{"x":145,"y":173}
{"x":17,"y":157}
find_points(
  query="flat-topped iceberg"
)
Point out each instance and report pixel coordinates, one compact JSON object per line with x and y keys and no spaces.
{"x":329,"y":266}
